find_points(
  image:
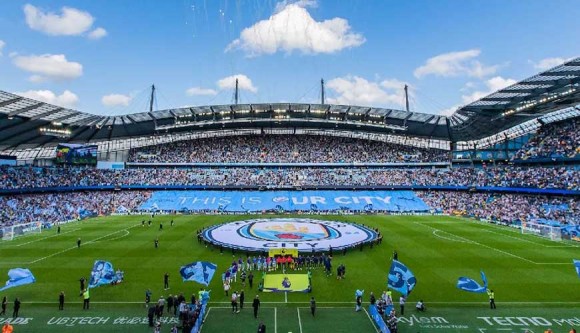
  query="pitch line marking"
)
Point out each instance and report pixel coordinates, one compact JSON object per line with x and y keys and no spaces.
{"x":503,"y":228}
{"x":204,"y":319}
{"x":74,"y":247}
{"x":112,"y":239}
{"x":41,"y":239}
{"x":299,"y":320}
{"x":275,"y":320}
{"x":489,"y":247}
{"x":371,"y":319}
{"x":493,"y":248}
{"x":435,"y":233}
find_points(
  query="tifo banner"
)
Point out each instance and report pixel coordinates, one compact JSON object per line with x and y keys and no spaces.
{"x":238,"y":201}
{"x":401,"y":278}
{"x":299,"y":234}
{"x":199,"y":271}
{"x":102,"y":273}
{"x":577,"y":266}
{"x":374,"y":313}
{"x":18,"y":277}
{"x":467,"y":284}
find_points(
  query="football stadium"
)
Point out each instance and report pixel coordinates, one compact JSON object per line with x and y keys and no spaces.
{"x":337,"y":212}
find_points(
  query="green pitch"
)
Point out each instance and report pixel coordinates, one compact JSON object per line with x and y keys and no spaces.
{"x":533,"y":278}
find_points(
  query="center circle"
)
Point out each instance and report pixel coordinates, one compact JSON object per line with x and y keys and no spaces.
{"x":302,"y":234}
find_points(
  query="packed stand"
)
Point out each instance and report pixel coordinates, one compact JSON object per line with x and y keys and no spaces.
{"x":284,"y":149}
{"x":506,"y":208}
{"x":560,"y":139}
{"x":501,"y":176}
{"x":58,"y":207}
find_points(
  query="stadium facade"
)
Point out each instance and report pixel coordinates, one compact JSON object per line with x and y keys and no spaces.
{"x":30,"y":129}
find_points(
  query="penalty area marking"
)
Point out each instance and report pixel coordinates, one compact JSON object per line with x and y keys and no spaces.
{"x":74,"y":247}
{"x":435,"y":233}
{"x":496,"y":249}
{"x":112,"y":239}
{"x":41,"y":239}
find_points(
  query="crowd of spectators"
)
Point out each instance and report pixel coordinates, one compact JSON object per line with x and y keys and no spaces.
{"x":284,"y":149}
{"x":507,"y":208}
{"x":54,"y":207}
{"x":555,"y":140}
{"x":500,"y":176}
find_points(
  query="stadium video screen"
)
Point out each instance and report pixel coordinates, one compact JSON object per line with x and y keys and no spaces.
{"x":76,"y":154}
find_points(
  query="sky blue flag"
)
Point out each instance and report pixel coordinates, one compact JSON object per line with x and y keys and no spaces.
{"x":199,"y":271}
{"x":577,"y":265}
{"x":102,"y":273}
{"x":401,"y":278}
{"x":467,"y":284}
{"x":18,"y":277}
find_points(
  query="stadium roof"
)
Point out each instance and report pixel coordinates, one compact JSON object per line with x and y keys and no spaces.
{"x":27,"y":123}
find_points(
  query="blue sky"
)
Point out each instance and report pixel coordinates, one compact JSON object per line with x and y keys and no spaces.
{"x":102,"y":56}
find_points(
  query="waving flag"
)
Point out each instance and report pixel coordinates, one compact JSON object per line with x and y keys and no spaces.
{"x":102,"y":273}
{"x":577,"y":265}
{"x":467,"y":284}
{"x":199,"y":271}
{"x":401,"y":278}
{"x":18,"y":277}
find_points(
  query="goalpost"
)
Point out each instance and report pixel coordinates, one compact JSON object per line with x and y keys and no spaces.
{"x":542,"y":230}
{"x":8,"y":233}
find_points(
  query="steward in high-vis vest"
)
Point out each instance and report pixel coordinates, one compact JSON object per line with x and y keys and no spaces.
{"x":86,"y":299}
{"x":491,"y":295}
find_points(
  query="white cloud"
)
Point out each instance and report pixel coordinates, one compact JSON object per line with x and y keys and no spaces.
{"x":49,"y":66}
{"x":456,"y":64}
{"x":67,"y":99}
{"x":198,"y":91}
{"x":113,"y":100}
{"x":69,"y":22}
{"x":449,"y":111}
{"x":292,"y":28}
{"x":548,"y":63}
{"x":98,"y":33}
{"x":494,"y":84}
{"x":355,"y":90}
{"x":244,"y":83}
{"x":2,"y":44}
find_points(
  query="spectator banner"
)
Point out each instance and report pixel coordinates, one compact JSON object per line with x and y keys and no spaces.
{"x":18,"y":277}
{"x":199,"y":271}
{"x":300,"y":234}
{"x":467,"y":284}
{"x":243,"y":201}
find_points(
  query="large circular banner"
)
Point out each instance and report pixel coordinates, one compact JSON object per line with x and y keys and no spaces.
{"x":301,"y":234}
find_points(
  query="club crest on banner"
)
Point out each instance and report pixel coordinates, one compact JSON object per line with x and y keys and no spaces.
{"x":298,"y":234}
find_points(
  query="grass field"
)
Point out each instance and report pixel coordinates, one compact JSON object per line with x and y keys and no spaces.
{"x":533,"y":278}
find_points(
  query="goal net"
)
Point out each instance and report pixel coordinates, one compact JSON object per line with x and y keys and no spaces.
{"x":552,"y":232}
{"x":8,"y":233}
